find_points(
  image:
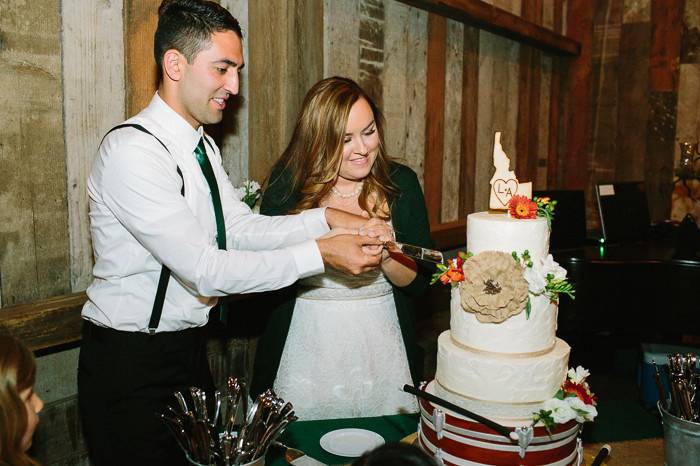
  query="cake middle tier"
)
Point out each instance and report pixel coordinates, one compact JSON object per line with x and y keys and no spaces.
{"x":518,"y":334}
{"x":499,"y":377}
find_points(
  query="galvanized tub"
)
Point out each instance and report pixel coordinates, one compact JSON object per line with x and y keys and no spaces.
{"x":681,"y":439}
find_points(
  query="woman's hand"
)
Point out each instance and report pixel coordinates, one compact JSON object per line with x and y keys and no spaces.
{"x":378,"y":228}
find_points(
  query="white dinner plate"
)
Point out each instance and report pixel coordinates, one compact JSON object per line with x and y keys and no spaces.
{"x":350,"y":442}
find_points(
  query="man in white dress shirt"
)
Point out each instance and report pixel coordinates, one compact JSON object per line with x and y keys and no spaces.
{"x":152,"y":208}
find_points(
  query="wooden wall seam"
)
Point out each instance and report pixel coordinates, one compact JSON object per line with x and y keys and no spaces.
{"x":435,"y":114}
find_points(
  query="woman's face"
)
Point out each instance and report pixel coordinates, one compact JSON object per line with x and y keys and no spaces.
{"x":34,"y":405}
{"x":361,"y":142}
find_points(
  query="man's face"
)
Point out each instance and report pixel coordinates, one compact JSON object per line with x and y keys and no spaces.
{"x":210,"y":79}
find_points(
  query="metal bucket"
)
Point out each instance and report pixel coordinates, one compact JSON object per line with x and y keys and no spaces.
{"x":681,"y":439}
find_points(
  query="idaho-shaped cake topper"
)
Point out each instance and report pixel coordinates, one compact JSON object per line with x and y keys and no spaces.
{"x":504,"y":184}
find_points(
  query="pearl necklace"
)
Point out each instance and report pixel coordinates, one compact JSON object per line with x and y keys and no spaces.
{"x":356,"y":192}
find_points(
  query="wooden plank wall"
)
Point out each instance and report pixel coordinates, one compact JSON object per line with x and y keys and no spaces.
{"x":34,"y":252}
{"x":688,"y":110}
{"x":640,"y":101}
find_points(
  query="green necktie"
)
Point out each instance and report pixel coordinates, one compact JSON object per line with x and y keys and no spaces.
{"x":201,"y":154}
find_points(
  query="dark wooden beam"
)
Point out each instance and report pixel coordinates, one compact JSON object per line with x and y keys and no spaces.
{"x":449,"y":235}
{"x":435,"y":116}
{"x":485,"y":16}
{"x":47,"y":323}
{"x":575,"y":148}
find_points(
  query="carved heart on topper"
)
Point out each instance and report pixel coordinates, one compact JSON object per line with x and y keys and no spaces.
{"x":505,"y":189}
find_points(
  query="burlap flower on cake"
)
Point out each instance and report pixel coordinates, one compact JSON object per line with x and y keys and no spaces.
{"x":494,"y":288}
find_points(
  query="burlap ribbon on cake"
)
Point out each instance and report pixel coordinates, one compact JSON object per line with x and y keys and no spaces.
{"x":494,"y":288}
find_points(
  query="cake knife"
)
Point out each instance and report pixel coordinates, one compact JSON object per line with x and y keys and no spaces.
{"x":414,"y":252}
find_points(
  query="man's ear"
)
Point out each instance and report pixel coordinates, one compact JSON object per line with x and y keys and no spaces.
{"x":173,"y":64}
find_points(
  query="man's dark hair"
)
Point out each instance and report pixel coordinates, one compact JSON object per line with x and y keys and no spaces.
{"x":187,"y":26}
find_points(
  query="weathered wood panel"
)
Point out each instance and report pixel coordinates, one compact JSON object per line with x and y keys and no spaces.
{"x":286,"y":54}
{"x":529,"y":101}
{"x":234,"y":126}
{"x":58,"y":439}
{"x":559,"y":67}
{"x":690,"y":43}
{"x":341,"y":49}
{"x":396,"y":80}
{"x":498,"y":107}
{"x":417,"y":71}
{"x":636,"y":11}
{"x":469,"y":124}
{"x":34,"y":252}
{"x":573,"y":171}
{"x":371,"y":67}
{"x":452,"y":137}
{"x":606,"y":47}
{"x":665,"y":49}
{"x":404,"y":78}
{"x":633,"y":94}
{"x":544,"y":122}
{"x":435,"y":116}
{"x":687,"y":129}
{"x":140,"y":21}
{"x":93,"y":89}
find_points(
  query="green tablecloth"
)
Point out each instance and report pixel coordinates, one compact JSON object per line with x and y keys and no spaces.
{"x":305,"y":435}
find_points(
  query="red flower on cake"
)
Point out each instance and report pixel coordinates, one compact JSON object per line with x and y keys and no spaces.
{"x":452,"y":272}
{"x":522,"y":207}
{"x":580,"y":390}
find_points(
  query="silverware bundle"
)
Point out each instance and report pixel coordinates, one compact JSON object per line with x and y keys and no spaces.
{"x":684,"y":385}
{"x":234,"y":434}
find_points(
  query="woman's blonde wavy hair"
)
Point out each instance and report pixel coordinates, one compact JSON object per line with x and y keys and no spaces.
{"x":314,"y":155}
{"x":17,"y":373}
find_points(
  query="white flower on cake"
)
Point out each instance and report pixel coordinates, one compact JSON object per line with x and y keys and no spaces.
{"x":573,"y":401}
{"x":542,"y":272}
{"x":561,"y":410}
{"x":584,"y":412}
{"x":578,"y":375}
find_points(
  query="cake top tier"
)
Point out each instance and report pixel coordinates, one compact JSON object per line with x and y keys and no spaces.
{"x":498,"y":232}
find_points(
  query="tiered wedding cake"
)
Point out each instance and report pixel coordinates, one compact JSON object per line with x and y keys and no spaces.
{"x":501,"y":358}
{"x":502,"y":370}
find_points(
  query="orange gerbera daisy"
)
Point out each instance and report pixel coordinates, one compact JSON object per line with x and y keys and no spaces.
{"x":522,"y":207}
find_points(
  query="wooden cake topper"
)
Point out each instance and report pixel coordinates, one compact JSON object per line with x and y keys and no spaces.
{"x":504,"y":184}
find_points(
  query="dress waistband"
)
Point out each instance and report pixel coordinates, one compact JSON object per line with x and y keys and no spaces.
{"x":374,"y":290}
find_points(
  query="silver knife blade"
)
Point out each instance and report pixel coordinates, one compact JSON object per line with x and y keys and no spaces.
{"x":415,"y":252}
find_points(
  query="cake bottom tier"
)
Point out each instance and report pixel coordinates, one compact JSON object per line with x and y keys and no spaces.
{"x":459,"y":441}
{"x":500,"y":378}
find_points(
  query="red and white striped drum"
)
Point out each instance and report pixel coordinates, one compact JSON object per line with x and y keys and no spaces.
{"x":458,"y":441}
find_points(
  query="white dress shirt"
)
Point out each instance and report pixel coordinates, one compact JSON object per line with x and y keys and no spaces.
{"x":139,"y":221}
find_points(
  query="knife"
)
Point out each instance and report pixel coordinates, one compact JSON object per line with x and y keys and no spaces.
{"x":414,"y":252}
{"x":297,"y":457}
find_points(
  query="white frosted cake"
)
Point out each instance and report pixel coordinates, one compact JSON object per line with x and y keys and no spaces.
{"x":502,"y":367}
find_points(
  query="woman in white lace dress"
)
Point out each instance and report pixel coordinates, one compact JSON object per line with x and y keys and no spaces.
{"x":338,"y":345}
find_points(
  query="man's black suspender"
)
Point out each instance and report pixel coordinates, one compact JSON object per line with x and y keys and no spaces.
{"x":164,"y":272}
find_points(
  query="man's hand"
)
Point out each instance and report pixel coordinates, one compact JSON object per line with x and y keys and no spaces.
{"x":353,"y":254}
